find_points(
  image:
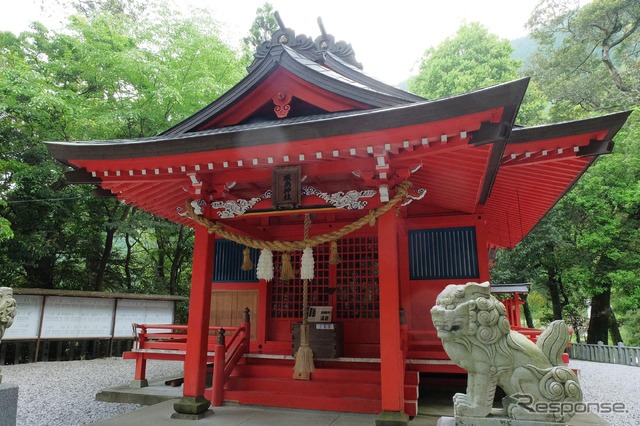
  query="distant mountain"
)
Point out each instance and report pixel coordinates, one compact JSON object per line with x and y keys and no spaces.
{"x":523,"y":47}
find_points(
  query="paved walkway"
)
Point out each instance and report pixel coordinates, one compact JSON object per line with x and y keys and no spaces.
{"x":163,"y":397}
{"x":434,"y":405}
{"x":232,"y":415}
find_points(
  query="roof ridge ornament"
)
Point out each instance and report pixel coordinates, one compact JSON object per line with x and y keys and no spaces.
{"x":343,"y":50}
{"x":305,"y":45}
{"x":286,"y":37}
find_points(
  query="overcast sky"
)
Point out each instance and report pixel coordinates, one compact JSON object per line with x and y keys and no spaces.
{"x":388,"y":40}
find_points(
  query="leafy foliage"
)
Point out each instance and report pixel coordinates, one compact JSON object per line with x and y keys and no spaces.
{"x":474,"y":59}
{"x":111,"y":73}
{"x":587,"y":62}
{"x":588,"y":55}
{"x":471,"y":60}
{"x":264,"y":25}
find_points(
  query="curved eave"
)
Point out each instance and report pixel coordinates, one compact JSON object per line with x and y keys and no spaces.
{"x":159,"y":174}
{"x":301,"y":67}
{"x":539,"y":166}
{"x":505,"y":97}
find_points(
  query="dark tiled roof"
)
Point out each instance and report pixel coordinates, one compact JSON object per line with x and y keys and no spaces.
{"x":506,"y":95}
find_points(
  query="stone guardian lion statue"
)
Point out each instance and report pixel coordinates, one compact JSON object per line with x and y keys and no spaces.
{"x":477,"y":336}
{"x":8,"y":312}
{"x":7,"y":309}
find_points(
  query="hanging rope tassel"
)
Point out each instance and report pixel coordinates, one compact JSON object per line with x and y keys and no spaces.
{"x":247,"y":264}
{"x":304,"y":356}
{"x":264,"y":271}
{"x":334,"y":256}
{"x":286,"y":270}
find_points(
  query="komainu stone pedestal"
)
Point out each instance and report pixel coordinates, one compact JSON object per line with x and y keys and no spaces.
{"x":8,"y":404}
{"x":583,"y":419}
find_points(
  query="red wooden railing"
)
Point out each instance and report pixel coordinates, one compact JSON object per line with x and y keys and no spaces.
{"x":228,"y":355}
{"x":169,"y":342}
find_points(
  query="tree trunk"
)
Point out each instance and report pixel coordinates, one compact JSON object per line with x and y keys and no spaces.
{"x":528,"y":318}
{"x":616,"y":337}
{"x":104,"y":259}
{"x":554,"y":293}
{"x":41,"y":275}
{"x":108,"y":245}
{"x":177,"y":261}
{"x":127,"y":262}
{"x":598,"y":330}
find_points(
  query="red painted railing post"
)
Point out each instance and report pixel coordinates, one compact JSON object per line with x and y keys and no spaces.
{"x":141,"y":361}
{"x":218,"y":370}
{"x":142,"y":335}
{"x":246,"y":326}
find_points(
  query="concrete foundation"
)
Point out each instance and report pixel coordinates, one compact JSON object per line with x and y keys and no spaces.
{"x":392,"y":418}
{"x":583,"y":419}
{"x":8,"y":404}
{"x":191,"y":408}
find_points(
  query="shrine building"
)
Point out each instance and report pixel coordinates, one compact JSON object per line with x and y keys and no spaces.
{"x":394,"y":197}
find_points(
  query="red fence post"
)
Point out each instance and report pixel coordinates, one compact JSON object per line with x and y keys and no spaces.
{"x":140,"y":380}
{"x":246,"y":326}
{"x":218,"y":370}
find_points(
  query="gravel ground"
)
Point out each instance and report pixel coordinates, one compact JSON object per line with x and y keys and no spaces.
{"x":612,"y":384}
{"x":62,"y":393}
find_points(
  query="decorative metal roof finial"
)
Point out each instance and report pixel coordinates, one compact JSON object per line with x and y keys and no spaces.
{"x":324,"y":41}
{"x":283,"y":35}
{"x":279,"y":19}
{"x":321,"y":25}
{"x":343,"y":50}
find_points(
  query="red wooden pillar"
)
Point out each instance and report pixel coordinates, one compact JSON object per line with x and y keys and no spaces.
{"x":517,"y":303}
{"x":193,"y":404}
{"x":391,"y":358}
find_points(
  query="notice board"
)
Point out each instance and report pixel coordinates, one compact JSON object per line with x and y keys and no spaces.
{"x":26,"y":323}
{"x":141,"y":312}
{"x":85,"y":317}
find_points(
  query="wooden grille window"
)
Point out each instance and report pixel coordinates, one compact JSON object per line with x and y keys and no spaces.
{"x":357,"y":294}
{"x":286,"y":296}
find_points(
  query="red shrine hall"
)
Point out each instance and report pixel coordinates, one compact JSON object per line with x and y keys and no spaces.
{"x":335,"y":207}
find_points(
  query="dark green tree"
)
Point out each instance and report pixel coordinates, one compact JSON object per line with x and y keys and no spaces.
{"x":588,"y":55}
{"x":474,"y":59}
{"x":109,"y":74}
{"x":588,"y":62}
{"x":263,"y":26}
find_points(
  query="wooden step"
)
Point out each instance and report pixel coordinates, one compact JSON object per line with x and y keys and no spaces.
{"x":358,"y":390}
{"x":411,"y":392}
{"x":301,"y":387}
{"x":411,"y":408}
{"x":340,"y":375}
{"x":304,"y":401}
{"x":411,"y":354}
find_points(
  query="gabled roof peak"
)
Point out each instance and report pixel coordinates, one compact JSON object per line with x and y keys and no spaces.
{"x":305,"y":45}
